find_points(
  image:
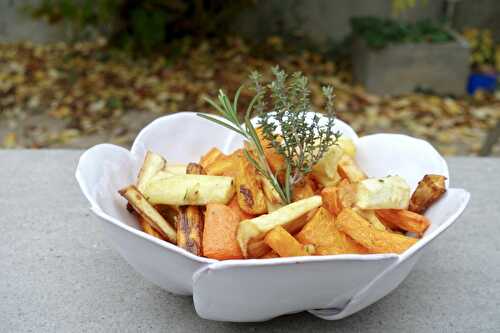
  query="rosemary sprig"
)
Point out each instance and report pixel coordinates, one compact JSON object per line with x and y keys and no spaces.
{"x":229,"y":112}
{"x":300,"y":139}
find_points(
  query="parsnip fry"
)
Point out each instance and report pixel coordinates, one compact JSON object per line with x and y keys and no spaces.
{"x":147,"y":228}
{"x":190,"y":190}
{"x":321,"y":232}
{"x":256,"y":228}
{"x":151,"y":165}
{"x":190,"y":229}
{"x":405,"y":220}
{"x":257,"y":248}
{"x":383,"y":193}
{"x":284,"y":244}
{"x":176,"y":169}
{"x":428,"y":191}
{"x":190,"y":221}
{"x":270,"y":192}
{"x":376,"y":241}
{"x":148,"y":212}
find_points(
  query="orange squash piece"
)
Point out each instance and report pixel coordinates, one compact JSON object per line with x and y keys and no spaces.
{"x":219,"y":233}
{"x":284,"y":244}
{"x":321,"y":232}
{"x":404,"y":219}
{"x":376,"y":241}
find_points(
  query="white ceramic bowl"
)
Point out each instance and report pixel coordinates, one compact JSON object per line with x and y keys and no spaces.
{"x":330,"y":287}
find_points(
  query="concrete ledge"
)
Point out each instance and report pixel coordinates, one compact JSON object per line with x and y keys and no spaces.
{"x":58,"y":273}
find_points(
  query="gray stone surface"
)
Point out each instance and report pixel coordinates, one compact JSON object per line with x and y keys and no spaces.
{"x":58,"y":274}
{"x":400,"y":69}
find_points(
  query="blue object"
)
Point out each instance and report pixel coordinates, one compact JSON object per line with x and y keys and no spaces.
{"x":477,"y":81}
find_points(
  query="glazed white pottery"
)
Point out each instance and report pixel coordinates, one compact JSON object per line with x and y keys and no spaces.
{"x":330,"y":287}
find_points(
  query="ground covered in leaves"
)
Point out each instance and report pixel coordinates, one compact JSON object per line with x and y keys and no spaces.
{"x":62,"y":96}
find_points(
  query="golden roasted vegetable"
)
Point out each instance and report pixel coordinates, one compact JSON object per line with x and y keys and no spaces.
{"x":405,"y":220}
{"x":219,"y":235}
{"x":148,"y":212}
{"x":210,"y":157}
{"x":321,"y":232}
{"x":190,"y":229}
{"x":370,"y":216}
{"x":269,"y":255}
{"x":175,"y":169}
{"x":350,"y":170}
{"x":303,"y":189}
{"x":257,"y":248}
{"x":190,"y":221}
{"x":194,"y":169}
{"x":336,"y":198}
{"x":248,"y":191}
{"x":270,"y":193}
{"x":225,"y":165}
{"x":257,"y":227}
{"x":190,"y":190}
{"x":376,"y":241}
{"x":284,"y":244}
{"x":428,"y":191}
{"x":150,"y":167}
{"x":347,"y":146}
{"x":325,"y":170}
{"x":276,"y":163}
{"x":390,"y":192}
{"x":147,"y":228}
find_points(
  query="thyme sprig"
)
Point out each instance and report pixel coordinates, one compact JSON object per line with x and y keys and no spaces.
{"x":299,"y":136}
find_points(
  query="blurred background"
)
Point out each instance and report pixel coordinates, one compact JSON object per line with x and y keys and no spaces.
{"x":74,"y":73}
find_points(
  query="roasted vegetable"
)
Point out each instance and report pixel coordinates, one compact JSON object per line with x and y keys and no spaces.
{"x":325,"y":171}
{"x":404,"y":219}
{"x":370,"y":216}
{"x":284,"y":244}
{"x":248,"y":191}
{"x":175,"y":169}
{"x":190,"y":190}
{"x":195,"y":169}
{"x":303,"y":189}
{"x":149,"y":213}
{"x":272,"y":197}
{"x":428,"y":191}
{"x":225,"y":165}
{"x":190,"y":221}
{"x":151,"y":165}
{"x":321,"y":232}
{"x":190,"y":229}
{"x":336,"y":198}
{"x":347,"y":146}
{"x":219,"y":235}
{"x":257,"y":227}
{"x":350,"y":170}
{"x":210,"y":157}
{"x":376,"y":241}
{"x":383,"y":193}
{"x":147,"y":228}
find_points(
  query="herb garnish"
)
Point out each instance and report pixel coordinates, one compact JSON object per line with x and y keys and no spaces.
{"x":300,"y":137}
